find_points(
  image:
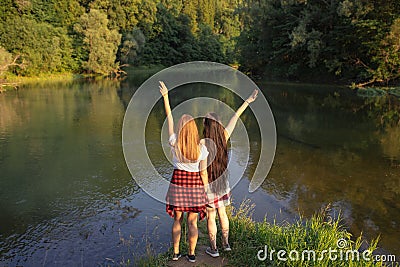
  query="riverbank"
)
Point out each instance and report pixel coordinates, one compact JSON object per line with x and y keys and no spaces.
{"x":141,"y":73}
{"x":14,"y":82}
{"x":319,"y":239}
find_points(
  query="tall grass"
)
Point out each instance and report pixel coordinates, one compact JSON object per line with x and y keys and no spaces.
{"x":319,"y":233}
{"x":151,"y":259}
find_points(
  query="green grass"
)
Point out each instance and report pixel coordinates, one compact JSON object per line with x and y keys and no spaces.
{"x":44,"y":78}
{"x":14,"y":82}
{"x":154,"y":260}
{"x":248,"y":237}
{"x":318,"y":233}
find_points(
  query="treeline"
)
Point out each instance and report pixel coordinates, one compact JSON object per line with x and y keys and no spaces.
{"x":99,"y":36}
{"x":355,"y":40}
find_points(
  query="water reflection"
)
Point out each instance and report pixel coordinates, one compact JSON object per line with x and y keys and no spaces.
{"x":67,"y":197}
{"x":386,"y":112}
{"x":332,"y":148}
{"x":63,"y":176}
{"x":390,"y":142}
{"x":346,"y":154}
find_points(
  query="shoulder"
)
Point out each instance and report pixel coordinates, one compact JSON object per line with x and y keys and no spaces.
{"x":202,"y":142}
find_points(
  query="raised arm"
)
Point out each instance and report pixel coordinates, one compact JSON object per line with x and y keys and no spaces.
{"x":232,"y":123}
{"x":164,"y":93}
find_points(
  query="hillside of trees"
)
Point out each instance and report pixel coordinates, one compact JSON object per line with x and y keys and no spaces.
{"x":348,"y":40}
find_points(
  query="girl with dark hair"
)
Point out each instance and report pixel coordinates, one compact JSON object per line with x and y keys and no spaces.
{"x":186,"y":190}
{"x":218,"y":191}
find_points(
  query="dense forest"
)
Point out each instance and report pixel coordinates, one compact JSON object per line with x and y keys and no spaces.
{"x":347,"y":40}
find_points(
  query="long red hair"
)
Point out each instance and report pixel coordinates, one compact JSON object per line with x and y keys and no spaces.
{"x":187,"y":144}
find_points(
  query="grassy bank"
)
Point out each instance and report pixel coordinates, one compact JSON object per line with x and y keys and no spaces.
{"x":258,"y":243}
{"x":297,"y":242}
{"x":44,"y":78}
{"x":13,"y":82}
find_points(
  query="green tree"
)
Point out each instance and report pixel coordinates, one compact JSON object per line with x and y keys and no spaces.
{"x":172,"y":41}
{"x":228,"y":26}
{"x":342,"y":38}
{"x":206,"y":12}
{"x":210,"y":47}
{"x":388,"y":57}
{"x":132,"y":44}
{"x":147,"y":15}
{"x":44,"y":48}
{"x":122,"y":15}
{"x":174,"y":6}
{"x":7,"y":60}
{"x":190,"y":9}
{"x":100,"y":42}
{"x":166,"y":38}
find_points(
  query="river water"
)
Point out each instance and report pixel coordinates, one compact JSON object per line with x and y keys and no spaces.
{"x":67,"y":197}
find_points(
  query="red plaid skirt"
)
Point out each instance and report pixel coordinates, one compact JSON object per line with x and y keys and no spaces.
{"x":186,"y":193}
{"x":215,"y":201}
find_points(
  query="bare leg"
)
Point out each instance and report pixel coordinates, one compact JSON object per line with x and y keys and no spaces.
{"x":176,"y":230}
{"x":224,"y":221}
{"x":212,"y":227}
{"x":193,"y":231}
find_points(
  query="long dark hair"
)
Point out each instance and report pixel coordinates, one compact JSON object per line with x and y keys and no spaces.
{"x":218,"y":153}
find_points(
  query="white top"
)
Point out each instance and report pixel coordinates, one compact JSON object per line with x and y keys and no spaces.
{"x":189,"y":166}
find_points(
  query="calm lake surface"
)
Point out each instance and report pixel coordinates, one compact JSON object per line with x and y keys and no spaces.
{"x":67,"y":197}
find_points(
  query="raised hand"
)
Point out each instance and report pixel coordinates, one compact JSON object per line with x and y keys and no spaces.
{"x":252,"y":97}
{"x":163,"y":88}
{"x":164,"y":92}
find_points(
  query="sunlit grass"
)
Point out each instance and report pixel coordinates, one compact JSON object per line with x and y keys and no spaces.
{"x":43,"y":78}
{"x":318,"y":233}
{"x":248,"y":237}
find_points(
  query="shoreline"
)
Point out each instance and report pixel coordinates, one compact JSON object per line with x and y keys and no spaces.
{"x":15,"y":81}
{"x":306,"y":241}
